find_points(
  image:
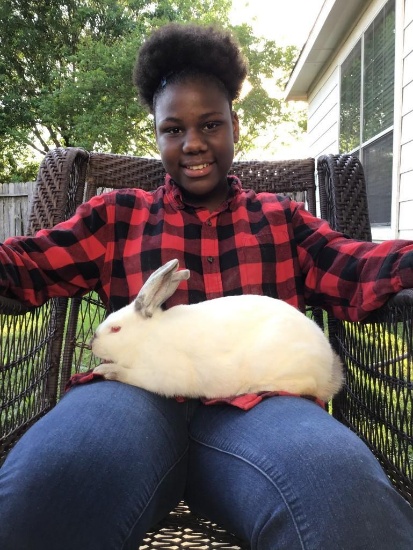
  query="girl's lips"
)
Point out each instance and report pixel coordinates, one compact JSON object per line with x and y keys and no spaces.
{"x":197,"y":170}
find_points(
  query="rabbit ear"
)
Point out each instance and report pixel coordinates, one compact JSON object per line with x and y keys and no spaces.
{"x":159,"y":287}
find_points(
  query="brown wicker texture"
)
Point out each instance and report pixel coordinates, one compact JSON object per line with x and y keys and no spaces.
{"x":24,"y":383}
{"x":184,"y":530}
{"x":343,"y":197}
{"x":292,"y":177}
{"x":40,"y":348}
{"x":31,"y":342}
{"x":377,"y":400}
{"x":59,"y":188}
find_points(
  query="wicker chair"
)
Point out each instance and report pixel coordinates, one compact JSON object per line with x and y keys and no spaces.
{"x":41,"y":347}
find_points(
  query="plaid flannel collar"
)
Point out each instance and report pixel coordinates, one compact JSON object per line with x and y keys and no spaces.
{"x":174,"y":194}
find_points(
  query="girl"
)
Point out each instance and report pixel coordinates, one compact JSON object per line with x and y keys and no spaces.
{"x":110,"y":460}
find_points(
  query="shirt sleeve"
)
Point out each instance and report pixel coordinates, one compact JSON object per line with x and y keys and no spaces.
{"x":64,"y":261}
{"x":347,"y":277}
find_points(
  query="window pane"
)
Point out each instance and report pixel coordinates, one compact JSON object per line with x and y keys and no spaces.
{"x":377,"y":163}
{"x":350,"y":98}
{"x":378,"y":91}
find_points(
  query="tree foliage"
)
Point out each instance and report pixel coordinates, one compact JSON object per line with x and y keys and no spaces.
{"x":66,"y":66}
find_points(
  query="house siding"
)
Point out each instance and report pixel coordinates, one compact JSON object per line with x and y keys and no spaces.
{"x":406,"y":140}
{"x":323,"y":117}
{"x":324,"y":113}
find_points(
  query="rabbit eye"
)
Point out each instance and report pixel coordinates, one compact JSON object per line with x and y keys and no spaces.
{"x":115,"y":329}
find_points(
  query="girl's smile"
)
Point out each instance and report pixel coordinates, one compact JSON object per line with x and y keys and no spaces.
{"x":197,"y":171}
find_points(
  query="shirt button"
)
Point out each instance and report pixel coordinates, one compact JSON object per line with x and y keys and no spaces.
{"x":210,"y":259}
{"x":209,"y":223}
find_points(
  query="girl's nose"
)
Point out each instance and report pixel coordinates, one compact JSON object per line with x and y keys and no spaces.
{"x":194,"y":142}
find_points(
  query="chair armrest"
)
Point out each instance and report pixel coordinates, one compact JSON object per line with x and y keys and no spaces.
{"x":399,"y":306}
{"x":8,"y":306}
{"x":402,"y":298}
{"x":59,"y":187}
{"x":343,"y":195}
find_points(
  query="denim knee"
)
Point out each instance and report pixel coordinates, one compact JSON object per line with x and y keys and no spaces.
{"x":96,"y":472}
{"x":289,"y":476}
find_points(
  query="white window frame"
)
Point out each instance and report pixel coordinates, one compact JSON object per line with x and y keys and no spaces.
{"x":377,"y":228}
{"x":381,"y":233}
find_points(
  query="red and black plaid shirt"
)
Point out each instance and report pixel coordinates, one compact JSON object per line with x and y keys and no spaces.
{"x":254,"y":243}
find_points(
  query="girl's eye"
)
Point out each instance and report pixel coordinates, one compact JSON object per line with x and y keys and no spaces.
{"x":172,"y":130}
{"x":115,"y":329}
{"x":211,"y":125}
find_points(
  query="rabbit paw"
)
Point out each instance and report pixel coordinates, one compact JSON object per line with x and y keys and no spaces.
{"x":110,"y":371}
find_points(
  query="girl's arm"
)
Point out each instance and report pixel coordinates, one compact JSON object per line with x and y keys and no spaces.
{"x":64,"y":261}
{"x":350,"y":278}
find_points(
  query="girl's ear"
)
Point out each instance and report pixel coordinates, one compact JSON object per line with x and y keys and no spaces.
{"x":235,"y":126}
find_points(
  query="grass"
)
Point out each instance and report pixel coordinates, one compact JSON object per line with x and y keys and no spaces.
{"x":91,"y":314}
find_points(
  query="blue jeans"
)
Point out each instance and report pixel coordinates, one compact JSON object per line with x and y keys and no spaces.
{"x":110,"y":460}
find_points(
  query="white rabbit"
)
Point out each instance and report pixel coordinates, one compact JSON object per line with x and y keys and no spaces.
{"x":218,"y":348}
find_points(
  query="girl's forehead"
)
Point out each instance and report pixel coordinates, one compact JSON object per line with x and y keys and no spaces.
{"x":191,"y":94}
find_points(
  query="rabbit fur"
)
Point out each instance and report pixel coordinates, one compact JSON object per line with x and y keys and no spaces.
{"x":218,"y":348}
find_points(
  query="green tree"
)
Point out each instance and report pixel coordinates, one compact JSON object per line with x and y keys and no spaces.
{"x":65,"y":74}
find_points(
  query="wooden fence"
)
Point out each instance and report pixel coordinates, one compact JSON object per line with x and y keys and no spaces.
{"x":15,"y":200}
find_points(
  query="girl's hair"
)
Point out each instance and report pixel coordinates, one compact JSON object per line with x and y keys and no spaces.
{"x":178,"y":51}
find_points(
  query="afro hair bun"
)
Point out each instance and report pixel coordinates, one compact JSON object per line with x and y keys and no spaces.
{"x":177,"y":47}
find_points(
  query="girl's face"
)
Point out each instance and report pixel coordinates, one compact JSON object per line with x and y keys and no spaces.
{"x":195,"y":132}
